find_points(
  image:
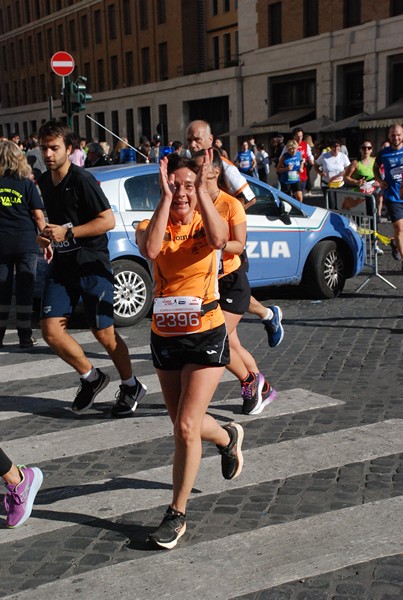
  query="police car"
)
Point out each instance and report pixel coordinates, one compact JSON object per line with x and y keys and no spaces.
{"x":287,"y":242}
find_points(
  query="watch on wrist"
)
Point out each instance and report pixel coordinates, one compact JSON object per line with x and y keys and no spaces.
{"x":69,"y":234}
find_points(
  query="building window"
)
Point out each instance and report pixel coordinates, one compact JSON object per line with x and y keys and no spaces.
{"x":42,"y":87}
{"x":100,"y":75}
{"x":84,"y":31}
{"x":1,"y":21}
{"x":129,"y":69}
{"x":12,"y":56}
{"x":112,"y":22}
{"x":226,"y":5}
{"x":214,"y":7}
{"x":72,"y":35}
{"x":114,"y":72}
{"x":24,"y":93}
{"x":115,"y":121}
{"x":145,"y":65}
{"x":30,"y":50}
{"x":21,"y":52}
{"x":163,"y":60}
{"x":161,"y":12}
{"x":39,"y":45}
{"x":396,"y":8}
{"x":350,"y":90}
{"x":17,"y":9}
{"x":9,"y":20}
{"x":127,"y":17}
{"x":4,"y":64}
{"x":395,"y":78}
{"x":49,"y":41}
{"x":130,"y":126}
{"x":97,"y":27}
{"x":352,"y":13}
{"x":48,"y":8}
{"x":311,"y":18}
{"x":145,"y":121}
{"x":162,"y":126}
{"x":37,"y":9}
{"x":293,"y":91}
{"x":215,"y":52}
{"x":275,"y":24}
{"x":60,"y":36}
{"x":143,"y":14}
{"x":227,"y":49}
{"x":32,"y":90}
{"x":87,"y":71}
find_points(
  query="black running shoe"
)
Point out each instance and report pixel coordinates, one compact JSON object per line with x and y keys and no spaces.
{"x":127,"y":398}
{"x":231,"y":455}
{"x":172,"y":528}
{"x":27,"y":343}
{"x":88,"y":391}
{"x":395,"y":251}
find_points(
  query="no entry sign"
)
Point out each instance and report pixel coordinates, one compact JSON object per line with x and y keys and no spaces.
{"x":62,"y":64}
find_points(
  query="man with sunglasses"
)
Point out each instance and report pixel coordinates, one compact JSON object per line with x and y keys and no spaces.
{"x":391,"y":158}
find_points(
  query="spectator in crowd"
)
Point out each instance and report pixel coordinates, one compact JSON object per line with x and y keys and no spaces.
{"x":22,"y":485}
{"x":263,"y":163}
{"x":332,"y":166}
{"x":144,"y":149}
{"x":120,"y":145}
{"x":15,"y":137}
{"x":78,"y":156}
{"x":35,"y":160}
{"x":308,"y":187}
{"x":96,"y":156}
{"x":156,"y":154}
{"x":218,"y":144}
{"x":245,"y":160}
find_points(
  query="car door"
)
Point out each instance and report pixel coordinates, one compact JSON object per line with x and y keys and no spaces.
{"x":273,"y":237}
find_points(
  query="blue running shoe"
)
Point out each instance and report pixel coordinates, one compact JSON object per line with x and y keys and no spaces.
{"x":274,"y":328}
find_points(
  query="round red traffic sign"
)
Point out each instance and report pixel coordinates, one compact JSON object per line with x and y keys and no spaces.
{"x":62,"y":64}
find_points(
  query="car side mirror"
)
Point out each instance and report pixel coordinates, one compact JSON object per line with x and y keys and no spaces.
{"x":284,"y":210}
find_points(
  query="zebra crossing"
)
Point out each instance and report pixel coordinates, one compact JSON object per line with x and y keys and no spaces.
{"x":93,"y":524}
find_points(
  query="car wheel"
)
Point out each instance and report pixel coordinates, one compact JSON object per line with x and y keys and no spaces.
{"x":325,"y":272}
{"x":132,"y":297}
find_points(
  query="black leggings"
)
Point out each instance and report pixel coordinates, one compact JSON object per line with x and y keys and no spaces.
{"x":5,"y":463}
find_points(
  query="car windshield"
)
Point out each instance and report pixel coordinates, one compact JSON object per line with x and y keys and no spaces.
{"x":143,"y":191}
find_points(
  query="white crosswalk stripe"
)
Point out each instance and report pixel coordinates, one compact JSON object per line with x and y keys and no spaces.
{"x":292,"y":550}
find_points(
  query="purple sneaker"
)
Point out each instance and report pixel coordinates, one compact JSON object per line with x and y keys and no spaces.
{"x":252,"y":394}
{"x":268,"y":395}
{"x":20,"y":498}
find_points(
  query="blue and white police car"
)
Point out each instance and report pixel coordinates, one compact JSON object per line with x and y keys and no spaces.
{"x":287,"y":242}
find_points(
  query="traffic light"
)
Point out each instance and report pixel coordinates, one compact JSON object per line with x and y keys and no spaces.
{"x":66,"y":99}
{"x":78,"y":95}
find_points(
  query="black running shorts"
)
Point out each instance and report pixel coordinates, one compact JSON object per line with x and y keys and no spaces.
{"x":210,"y":348}
{"x":234,"y":291}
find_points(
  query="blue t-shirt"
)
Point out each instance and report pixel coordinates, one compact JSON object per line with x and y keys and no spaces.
{"x":294,"y":160}
{"x":392,"y":161}
{"x":18,"y":198}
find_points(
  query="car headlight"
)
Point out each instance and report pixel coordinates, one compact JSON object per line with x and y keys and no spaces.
{"x":353,"y":225}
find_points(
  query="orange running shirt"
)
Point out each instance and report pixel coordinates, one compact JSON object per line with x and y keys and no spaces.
{"x":187,"y":266}
{"x":232,"y":211}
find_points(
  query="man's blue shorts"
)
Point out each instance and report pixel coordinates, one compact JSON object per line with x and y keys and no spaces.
{"x":96,"y":291}
{"x":395,"y":210}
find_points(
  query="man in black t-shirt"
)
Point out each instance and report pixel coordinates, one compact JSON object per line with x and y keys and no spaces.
{"x":79,"y":216}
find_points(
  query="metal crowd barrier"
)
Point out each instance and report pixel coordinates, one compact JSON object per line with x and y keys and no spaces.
{"x":361,"y":208}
